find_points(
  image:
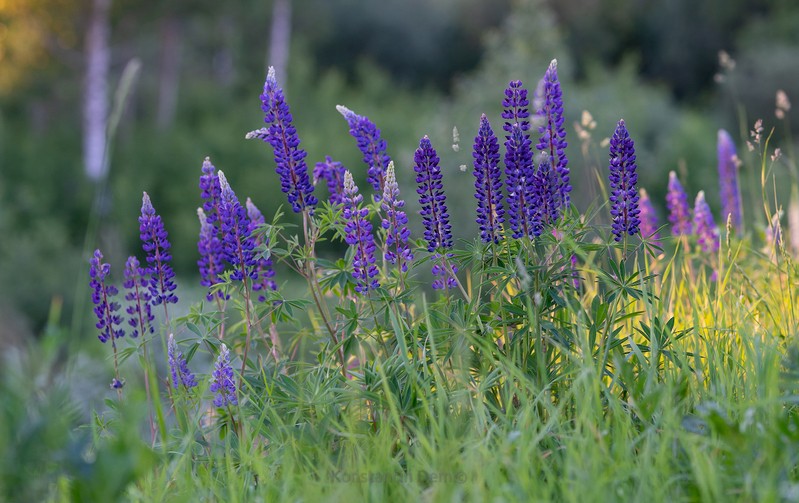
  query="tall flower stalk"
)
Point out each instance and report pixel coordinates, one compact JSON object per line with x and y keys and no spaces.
{"x":623,"y":176}
{"x":488,"y":183}
{"x":372,"y":146}
{"x":282,"y":136}
{"x":141,"y":320}
{"x":677,"y":204}
{"x":519,"y":181}
{"x":333,"y":173}
{"x":358,"y":234}
{"x":181,"y":375}
{"x":728,"y":179}
{"x":707,"y":234}
{"x":212,"y":255}
{"x":155,"y":242}
{"x":223,"y":385}
{"x":435,"y":216}
{"x":395,"y":223}
{"x":106,"y":309}
{"x":239,"y":249}
{"x":649,"y":221}
{"x":553,"y":135}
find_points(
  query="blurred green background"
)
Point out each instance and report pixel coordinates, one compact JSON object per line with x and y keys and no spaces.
{"x":415,"y":67}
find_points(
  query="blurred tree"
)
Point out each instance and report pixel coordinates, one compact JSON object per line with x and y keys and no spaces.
{"x":95,"y":91}
{"x":280,"y":37}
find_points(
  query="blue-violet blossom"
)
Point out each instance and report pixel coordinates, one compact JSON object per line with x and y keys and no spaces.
{"x":358,"y":234}
{"x":435,"y":216}
{"x":212,"y":255}
{"x":105,"y":307}
{"x":155,"y":243}
{"x":488,"y":183}
{"x":222,"y":382}
{"x":677,"y":204}
{"x":623,"y":177}
{"x":519,"y":173}
{"x":728,"y":179}
{"x":553,"y":134}
{"x":707,"y":233}
{"x":395,"y":222}
{"x":238,"y":244}
{"x":282,"y":136}
{"x":138,"y":297}
{"x":649,"y":219}
{"x":372,"y":146}
{"x":333,"y":173}
{"x":178,"y":366}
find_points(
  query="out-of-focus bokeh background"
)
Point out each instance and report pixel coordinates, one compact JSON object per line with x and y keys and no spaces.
{"x":415,"y":67}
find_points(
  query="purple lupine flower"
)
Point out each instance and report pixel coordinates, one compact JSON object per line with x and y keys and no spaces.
{"x":677,"y":203}
{"x":707,"y":233}
{"x":395,"y":222}
{"x":519,"y":181}
{"x":728,"y":179}
{"x":222,"y":384}
{"x":544,"y":200}
{"x":438,"y":231}
{"x":435,"y":217}
{"x":282,"y":136}
{"x":178,"y":366}
{"x":155,"y":243}
{"x":623,"y":177}
{"x":238,"y":244}
{"x":139,"y":309}
{"x":515,"y":109}
{"x":371,"y":145}
{"x":333,"y":173}
{"x":488,"y":183}
{"x":553,"y":134}
{"x":210,"y":191}
{"x":649,"y":219}
{"x":359,"y":236}
{"x":263,"y":262}
{"x":212,"y":255}
{"x":105,"y":308}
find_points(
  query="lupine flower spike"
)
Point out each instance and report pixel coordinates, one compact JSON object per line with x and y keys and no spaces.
{"x":138,"y":297}
{"x":210,"y":191}
{"x":395,"y":222}
{"x":544,"y":197}
{"x":263,"y":263}
{"x":333,"y":173}
{"x":488,"y":183}
{"x":435,"y":216}
{"x":649,"y":220}
{"x":519,"y":175}
{"x":677,"y":204}
{"x":181,"y":375}
{"x":623,"y":177}
{"x":238,"y":245}
{"x":705,"y":227}
{"x":282,"y":136}
{"x":728,"y":179}
{"x":222,"y":384}
{"x":212,"y":256}
{"x":553,"y":135}
{"x":515,"y":108}
{"x":105,"y":308}
{"x":155,"y":243}
{"x":371,"y":145}
{"x":359,"y":236}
